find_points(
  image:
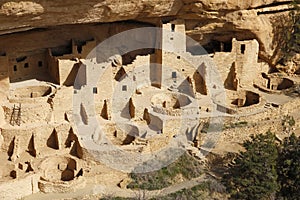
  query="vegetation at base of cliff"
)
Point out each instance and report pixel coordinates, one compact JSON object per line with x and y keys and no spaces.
{"x":236,"y":125}
{"x":289,"y":168}
{"x":115,"y":198}
{"x":186,"y":167}
{"x":199,"y":192}
{"x":254,"y":174}
{"x":288,"y":120}
{"x":210,"y":127}
{"x":266,"y":170}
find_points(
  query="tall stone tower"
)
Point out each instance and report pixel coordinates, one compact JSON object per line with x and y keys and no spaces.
{"x":174,"y":37}
{"x":171,"y":38}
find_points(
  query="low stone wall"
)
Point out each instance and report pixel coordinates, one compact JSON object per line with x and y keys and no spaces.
{"x":60,"y":186}
{"x":16,"y":189}
{"x":40,"y":133}
{"x":166,"y":111}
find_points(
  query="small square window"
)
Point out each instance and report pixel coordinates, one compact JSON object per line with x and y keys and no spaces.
{"x":172,"y":27}
{"x":243,"y":48}
{"x":124,"y":88}
{"x":15,"y":68}
{"x":95,"y":90}
{"x":174,"y":75}
{"x":26,"y":65}
{"x":79,"y":49}
{"x":40,"y":64}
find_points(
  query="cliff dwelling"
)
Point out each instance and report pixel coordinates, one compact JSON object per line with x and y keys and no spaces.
{"x":60,"y":85}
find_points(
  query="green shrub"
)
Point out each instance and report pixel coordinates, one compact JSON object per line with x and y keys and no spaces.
{"x":186,"y":166}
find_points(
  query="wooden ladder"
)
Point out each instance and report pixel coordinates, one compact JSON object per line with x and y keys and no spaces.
{"x":16,"y":115}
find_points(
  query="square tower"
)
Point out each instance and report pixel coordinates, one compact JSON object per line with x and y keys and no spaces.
{"x":246,"y":61}
{"x":174,"y":37}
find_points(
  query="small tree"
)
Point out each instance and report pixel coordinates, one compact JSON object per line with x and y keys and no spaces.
{"x":254,"y":176}
{"x":289,"y":168}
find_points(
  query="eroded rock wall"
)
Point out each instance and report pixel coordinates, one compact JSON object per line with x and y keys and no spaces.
{"x":206,"y":19}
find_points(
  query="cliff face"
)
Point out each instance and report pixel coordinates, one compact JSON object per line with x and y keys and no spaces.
{"x":206,"y":20}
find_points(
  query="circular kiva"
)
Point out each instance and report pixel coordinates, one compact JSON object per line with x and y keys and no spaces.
{"x":152,"y":100}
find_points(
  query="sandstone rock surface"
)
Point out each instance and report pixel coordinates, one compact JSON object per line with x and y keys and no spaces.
{"x":206,"y":19}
